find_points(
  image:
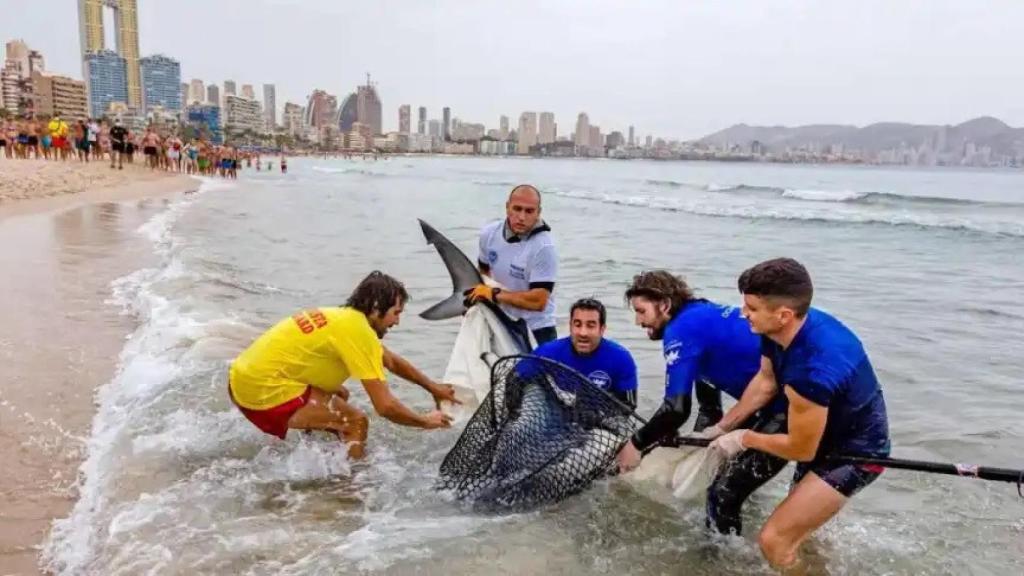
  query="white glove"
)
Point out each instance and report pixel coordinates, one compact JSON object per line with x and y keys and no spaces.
{"x":710,"y":433}
{"x":730,"y":444}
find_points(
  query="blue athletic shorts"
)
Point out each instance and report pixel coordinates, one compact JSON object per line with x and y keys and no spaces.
{"x":847,"y":479}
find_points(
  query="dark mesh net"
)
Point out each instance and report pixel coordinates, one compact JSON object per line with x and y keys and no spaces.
{"x":543,"y":433}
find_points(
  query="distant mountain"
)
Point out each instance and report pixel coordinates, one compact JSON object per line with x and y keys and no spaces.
{"x":981,"y":132}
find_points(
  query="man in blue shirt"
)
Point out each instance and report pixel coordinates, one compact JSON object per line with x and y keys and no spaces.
{"x":835,"y":404}
{"x":710,"y":345}
{"x":605,"y":362}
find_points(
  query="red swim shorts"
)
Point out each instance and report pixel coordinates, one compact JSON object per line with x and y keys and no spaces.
{"x":274,"y":421}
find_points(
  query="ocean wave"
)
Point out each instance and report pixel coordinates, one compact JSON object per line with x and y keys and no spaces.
{"x":847,"y":196}
{"x":825,"y":195}
{"x":782,"y":211}
{"x":359,"y":171}
{"x":503,"y":183}
{"x":163,"y":350}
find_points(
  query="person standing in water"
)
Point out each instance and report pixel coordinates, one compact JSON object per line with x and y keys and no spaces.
{"x":519,"y":253}
{"x":835,"y":405}
{"x":292,"y":376}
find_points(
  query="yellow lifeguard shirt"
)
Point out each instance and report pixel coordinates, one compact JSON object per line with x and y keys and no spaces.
{"x":319,"y":347}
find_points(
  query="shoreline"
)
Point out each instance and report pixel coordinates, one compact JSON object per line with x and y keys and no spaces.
{"x":61,"y":339}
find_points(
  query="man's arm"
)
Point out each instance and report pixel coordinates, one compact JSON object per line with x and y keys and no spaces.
{"x":759,"y":392}
{"x":385,"y":404}
{"x":533,"y":299}
{"x":806,"y":426}
{"x":404,"y":369}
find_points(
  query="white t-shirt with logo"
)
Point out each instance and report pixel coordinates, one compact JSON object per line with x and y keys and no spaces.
{"x":518,"y":264}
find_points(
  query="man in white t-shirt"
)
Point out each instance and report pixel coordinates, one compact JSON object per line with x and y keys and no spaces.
{"x":519,"y":253}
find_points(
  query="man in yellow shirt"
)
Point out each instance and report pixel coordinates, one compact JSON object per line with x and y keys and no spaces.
{"x":292,"y":376}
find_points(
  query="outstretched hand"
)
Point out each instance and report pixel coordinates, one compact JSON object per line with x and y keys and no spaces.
{"x":444,"y":393}
{"x":436,"y":419}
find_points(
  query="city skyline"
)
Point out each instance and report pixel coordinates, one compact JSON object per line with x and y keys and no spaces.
{"x":714,"y":67}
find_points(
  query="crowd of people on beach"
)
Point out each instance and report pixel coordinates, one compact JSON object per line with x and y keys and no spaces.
{"x":99,"y":140}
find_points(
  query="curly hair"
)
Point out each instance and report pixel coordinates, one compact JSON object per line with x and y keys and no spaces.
{"x":661,"y":285}
{"x":378,"y":292}
{"x":782,"y":279}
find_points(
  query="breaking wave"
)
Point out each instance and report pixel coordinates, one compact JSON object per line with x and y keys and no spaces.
{"x":799,"y":212}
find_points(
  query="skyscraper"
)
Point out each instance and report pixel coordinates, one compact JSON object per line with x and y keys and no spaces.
{"x":184,"y":96}
{"x":229,"y":88}
{"x":421,"y":126}
{"x":503,"y":127}
{"x":106,"y":80}
{"x":446,"y":114}
{"x":197,"y":92}
{"x":248,"y":92}
{"x":270,"y":105}
{"x":527,"y":132}
{"x":547,"y":128}
{"x":126,"y":34}
{"x":321,"y":109}
{"x":19,"y":67}
{"x":632,"y":142}
{"x":161,"y":78}
{"x":583,"y":130}
{"x":213,"y":94}
{"x":349,"y":113}
{"x":368,"y":107}
{"x":404,"y":121}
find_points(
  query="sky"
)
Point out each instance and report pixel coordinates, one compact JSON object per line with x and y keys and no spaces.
{"x":674,"y":68}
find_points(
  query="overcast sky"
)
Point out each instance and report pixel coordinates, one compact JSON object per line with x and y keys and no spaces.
{"x":678,"y":68}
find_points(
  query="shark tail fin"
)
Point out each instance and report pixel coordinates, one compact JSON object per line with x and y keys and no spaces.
{"x":462,"y":271}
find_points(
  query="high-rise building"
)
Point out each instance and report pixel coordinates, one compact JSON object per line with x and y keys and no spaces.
{"x":248,"y":92}
{"x":368,"y":107}
{"x":59,"y":95}
{"x":106,"y":81}
{"x":596,"y":139}
{"x":241,"y":113}
{"x":632,"y":141}
{"x":421,"y":126}
{"x":213,"y":94}
{"x":583,"y":130}
{"x":547,"y":128}
{"x":291,"y":118}
{"x":404,"y":120}
{"x":503,"y":127}
{"x":270,"y":105}
{"x":527,"y":132}
{"x":126,"y":34}
{"x":205,"y":118}
{"x":10,"y":87}
{"x":184,"y":96}
{"x":321,"y":109}
{"x":197,"y":92}
{"x":229,"y":88}
{"x":349,"y":113}
{"x":16,"y":77}
{"x":615,"y":140}
{"x":435,"y":129}
{"x":649,"y":141}
{"x":446,"y":114}
{"x":161,"y":81}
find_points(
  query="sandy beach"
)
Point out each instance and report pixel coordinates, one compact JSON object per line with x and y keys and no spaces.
{"x":66,"y":231}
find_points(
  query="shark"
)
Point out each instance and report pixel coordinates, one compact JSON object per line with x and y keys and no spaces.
{"x":488,"y":334}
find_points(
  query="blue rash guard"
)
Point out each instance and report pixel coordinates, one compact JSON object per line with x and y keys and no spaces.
{"x":827,"y":364}
{"x":704,"y":341}
{"x":611,"y":367}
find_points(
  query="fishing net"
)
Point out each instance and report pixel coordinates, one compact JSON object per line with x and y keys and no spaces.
{"x":542,"y":434}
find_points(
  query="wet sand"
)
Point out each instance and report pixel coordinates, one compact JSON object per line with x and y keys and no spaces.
{"x":60,"y":339}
